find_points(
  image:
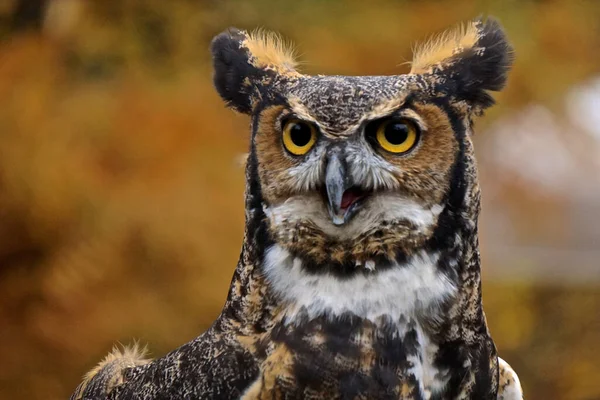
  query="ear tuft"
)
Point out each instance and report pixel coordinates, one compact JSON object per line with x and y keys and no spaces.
{"x":242,"y":61}
{"x":269,"y":49}
{"x":232,"y":68}
{"x":469,"y":61}
{"x":443,"y":47}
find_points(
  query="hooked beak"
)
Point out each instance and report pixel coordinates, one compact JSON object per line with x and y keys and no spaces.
{"x":343,"y":198}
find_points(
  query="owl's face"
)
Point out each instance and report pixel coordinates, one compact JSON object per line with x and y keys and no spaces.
{"x":340,"y":158}
{"x":354,"y":169}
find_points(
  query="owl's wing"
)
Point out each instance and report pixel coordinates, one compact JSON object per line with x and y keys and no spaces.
{"x":509,"y":387}
{"x":209,"y":367}
{"x":109,"y":373}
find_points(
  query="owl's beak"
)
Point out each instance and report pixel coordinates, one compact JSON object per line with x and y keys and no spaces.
{"x":342,"y":197}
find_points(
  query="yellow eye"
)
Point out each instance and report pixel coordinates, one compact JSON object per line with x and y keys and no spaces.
{"x":299,"y":137}
{"x":397,"y":135}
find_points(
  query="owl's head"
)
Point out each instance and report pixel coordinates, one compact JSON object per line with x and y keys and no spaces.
{"x":350,"y":170}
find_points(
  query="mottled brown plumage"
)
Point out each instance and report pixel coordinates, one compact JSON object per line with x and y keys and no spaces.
{"x":359,"y":276}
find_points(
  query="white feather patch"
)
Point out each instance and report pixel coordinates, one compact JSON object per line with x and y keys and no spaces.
{"x":401,"y":290}
{"x":509,"y":385}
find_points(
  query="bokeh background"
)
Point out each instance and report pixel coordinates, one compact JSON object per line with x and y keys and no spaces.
{"x":121,"y":186}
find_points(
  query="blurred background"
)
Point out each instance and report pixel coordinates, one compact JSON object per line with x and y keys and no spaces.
{"x":121,"y":189}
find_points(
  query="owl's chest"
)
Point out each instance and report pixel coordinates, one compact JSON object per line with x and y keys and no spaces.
{"x":359,"y":337}
{"x":349,"y":358}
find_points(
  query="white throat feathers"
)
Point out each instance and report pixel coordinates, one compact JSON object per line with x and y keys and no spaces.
{"x":401,"y":290}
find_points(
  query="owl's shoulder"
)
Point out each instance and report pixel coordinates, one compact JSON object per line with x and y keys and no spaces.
{"x":210,"y":366}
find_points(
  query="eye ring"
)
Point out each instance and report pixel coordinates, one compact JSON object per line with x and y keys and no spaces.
{"x":298,"y":136}
{"x":396,"y":135}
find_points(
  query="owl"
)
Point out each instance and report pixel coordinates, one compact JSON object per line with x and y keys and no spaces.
{"x":359,"y":276}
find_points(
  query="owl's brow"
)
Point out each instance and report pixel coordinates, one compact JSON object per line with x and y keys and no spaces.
{"x":303,"y":112}
{"x":388,"y":106}
{"x":384,"y":108}
{"x":300,"y":110}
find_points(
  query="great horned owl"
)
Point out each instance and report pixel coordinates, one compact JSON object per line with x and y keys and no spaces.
{"x":359,"y":276}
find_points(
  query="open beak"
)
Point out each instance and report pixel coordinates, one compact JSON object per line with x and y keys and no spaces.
{"x":343,"y":198}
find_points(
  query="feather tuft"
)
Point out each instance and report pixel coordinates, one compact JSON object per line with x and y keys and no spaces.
{"x":269,"y":49}
{"x":444,"y":46}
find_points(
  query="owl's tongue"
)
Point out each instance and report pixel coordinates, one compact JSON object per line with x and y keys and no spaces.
{"x":349,"y":197}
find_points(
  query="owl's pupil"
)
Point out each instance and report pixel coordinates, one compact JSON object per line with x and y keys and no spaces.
{"x":396,"y":133}
{"x":300,"y":134}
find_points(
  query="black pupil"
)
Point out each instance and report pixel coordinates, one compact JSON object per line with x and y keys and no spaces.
{"x":300,"y":134}
{"x":396,"y":133}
